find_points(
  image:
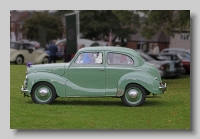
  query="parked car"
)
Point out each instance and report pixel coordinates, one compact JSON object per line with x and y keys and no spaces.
{"x":175,"y":50}
{"x":23,"y":52}
{"x":165,"y":68}
{"x":156,"y":57}
{"x":95,"y":72}
{"x":86,"y":42}
{"x":181,"y":56}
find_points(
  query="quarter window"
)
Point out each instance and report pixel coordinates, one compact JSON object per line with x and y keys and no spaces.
{"x":119,"y":59}
{"x":90,"y":58}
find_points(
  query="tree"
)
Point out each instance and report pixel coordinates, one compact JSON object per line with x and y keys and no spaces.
{"x":61,"y":12}
{"x":98,"y":23}
{"x":170,"y":21}
{"x":128,"y":21}
{"x":52,"y":25}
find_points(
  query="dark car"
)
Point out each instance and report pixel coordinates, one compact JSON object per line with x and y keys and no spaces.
{"x":183,"y":57}
{"x":166,"y":68}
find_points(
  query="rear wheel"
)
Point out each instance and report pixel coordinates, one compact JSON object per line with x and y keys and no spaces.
{"x":135,"y":95}
{"x":43,"y":93}
{"x":19,"y":60}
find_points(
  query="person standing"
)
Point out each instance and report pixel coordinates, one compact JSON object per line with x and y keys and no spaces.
{"x":53,"y":49}
{"x":156,"y":49}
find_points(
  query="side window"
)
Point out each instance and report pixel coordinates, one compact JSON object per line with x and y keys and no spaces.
{"x":24,"y":46}
{"x":119,"y":59}
{"x":90,"y":58}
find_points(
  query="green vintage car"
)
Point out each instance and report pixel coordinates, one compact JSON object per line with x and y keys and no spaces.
{"x":95,"y":72}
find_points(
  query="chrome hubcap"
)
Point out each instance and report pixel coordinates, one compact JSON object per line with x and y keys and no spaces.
{"x":133,"y":93}
{"x":43,"y":92}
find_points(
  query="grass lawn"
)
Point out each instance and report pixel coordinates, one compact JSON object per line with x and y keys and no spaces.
{"x":172,"y":112}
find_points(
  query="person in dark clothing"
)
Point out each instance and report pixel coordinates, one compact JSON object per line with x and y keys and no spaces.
{"x":53,"y":49}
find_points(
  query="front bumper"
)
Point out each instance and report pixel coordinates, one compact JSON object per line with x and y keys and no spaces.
{"x":163,"y":87}
{"x":25,"y":91}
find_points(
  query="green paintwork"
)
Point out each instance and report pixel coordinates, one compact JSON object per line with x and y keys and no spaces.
{"x":97,"y":80}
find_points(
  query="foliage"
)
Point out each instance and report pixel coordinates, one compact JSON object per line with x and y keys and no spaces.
{"x":98,"y":23}
{"x":172,"y":112}
{"x":52,"y":25}
{"x":170,"y":21}
{"x":61,"y":12}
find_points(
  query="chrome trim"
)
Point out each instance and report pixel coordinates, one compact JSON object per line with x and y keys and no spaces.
{"x":163,"y":87}
{"x":133,"y":93}
{"x":43,"y":92}
{"x":25,"y":91}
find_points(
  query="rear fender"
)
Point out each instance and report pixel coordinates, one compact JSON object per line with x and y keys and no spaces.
{"x":147,"y":81}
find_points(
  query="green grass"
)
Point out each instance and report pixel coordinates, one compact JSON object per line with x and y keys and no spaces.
{"x":172,"y":112}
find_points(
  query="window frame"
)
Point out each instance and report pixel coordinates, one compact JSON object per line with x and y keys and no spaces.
{"x":121,"y":64}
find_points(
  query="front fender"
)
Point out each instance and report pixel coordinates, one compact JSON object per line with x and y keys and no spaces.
{"x":147,"y":81}
{"x":56,"y":80}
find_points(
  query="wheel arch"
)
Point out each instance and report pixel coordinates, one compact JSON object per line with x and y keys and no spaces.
{"x":57,"y":81}
{"x":149,"y":83}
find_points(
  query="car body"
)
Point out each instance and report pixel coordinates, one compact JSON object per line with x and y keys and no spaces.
{"x":95,"y":72}
{"x":23,"y":52}
{"x":181,"y":56}
{"x":167,"y":69}
{"x":175,"y":50}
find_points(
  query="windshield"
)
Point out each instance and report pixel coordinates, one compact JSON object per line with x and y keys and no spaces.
{"x":184,"y":56}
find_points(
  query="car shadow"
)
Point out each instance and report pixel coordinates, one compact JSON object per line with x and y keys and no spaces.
{"x":87,"y":102}
{"x":101,"y":103}
{"x":179,"y":77}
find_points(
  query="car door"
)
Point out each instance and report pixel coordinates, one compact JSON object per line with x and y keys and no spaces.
{"x":32,"y":53}
{"x":87,"y":74}
{"x":117,"y":65}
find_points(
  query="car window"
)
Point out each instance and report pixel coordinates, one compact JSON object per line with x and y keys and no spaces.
{"x":90,"y":58}
{"x":166,"y":51}
{"x":14,"y":45}
{"x":119,"y":59}
{"x":183,"y":56}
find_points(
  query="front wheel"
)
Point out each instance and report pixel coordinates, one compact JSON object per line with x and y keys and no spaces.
{"x":135,"y":95}
{"x":43,"y":93}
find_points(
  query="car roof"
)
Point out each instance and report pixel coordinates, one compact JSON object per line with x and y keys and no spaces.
{"x":107,"y":48}
{"x":116,"y":49}
{"x":171,"y":53}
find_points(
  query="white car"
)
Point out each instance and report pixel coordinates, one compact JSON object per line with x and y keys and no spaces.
{"x":23,"y":52}
{"x":86,"y":42}
{"x":175,"y":50}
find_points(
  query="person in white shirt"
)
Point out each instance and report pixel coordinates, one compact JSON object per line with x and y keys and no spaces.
{"x":155,"y":49}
